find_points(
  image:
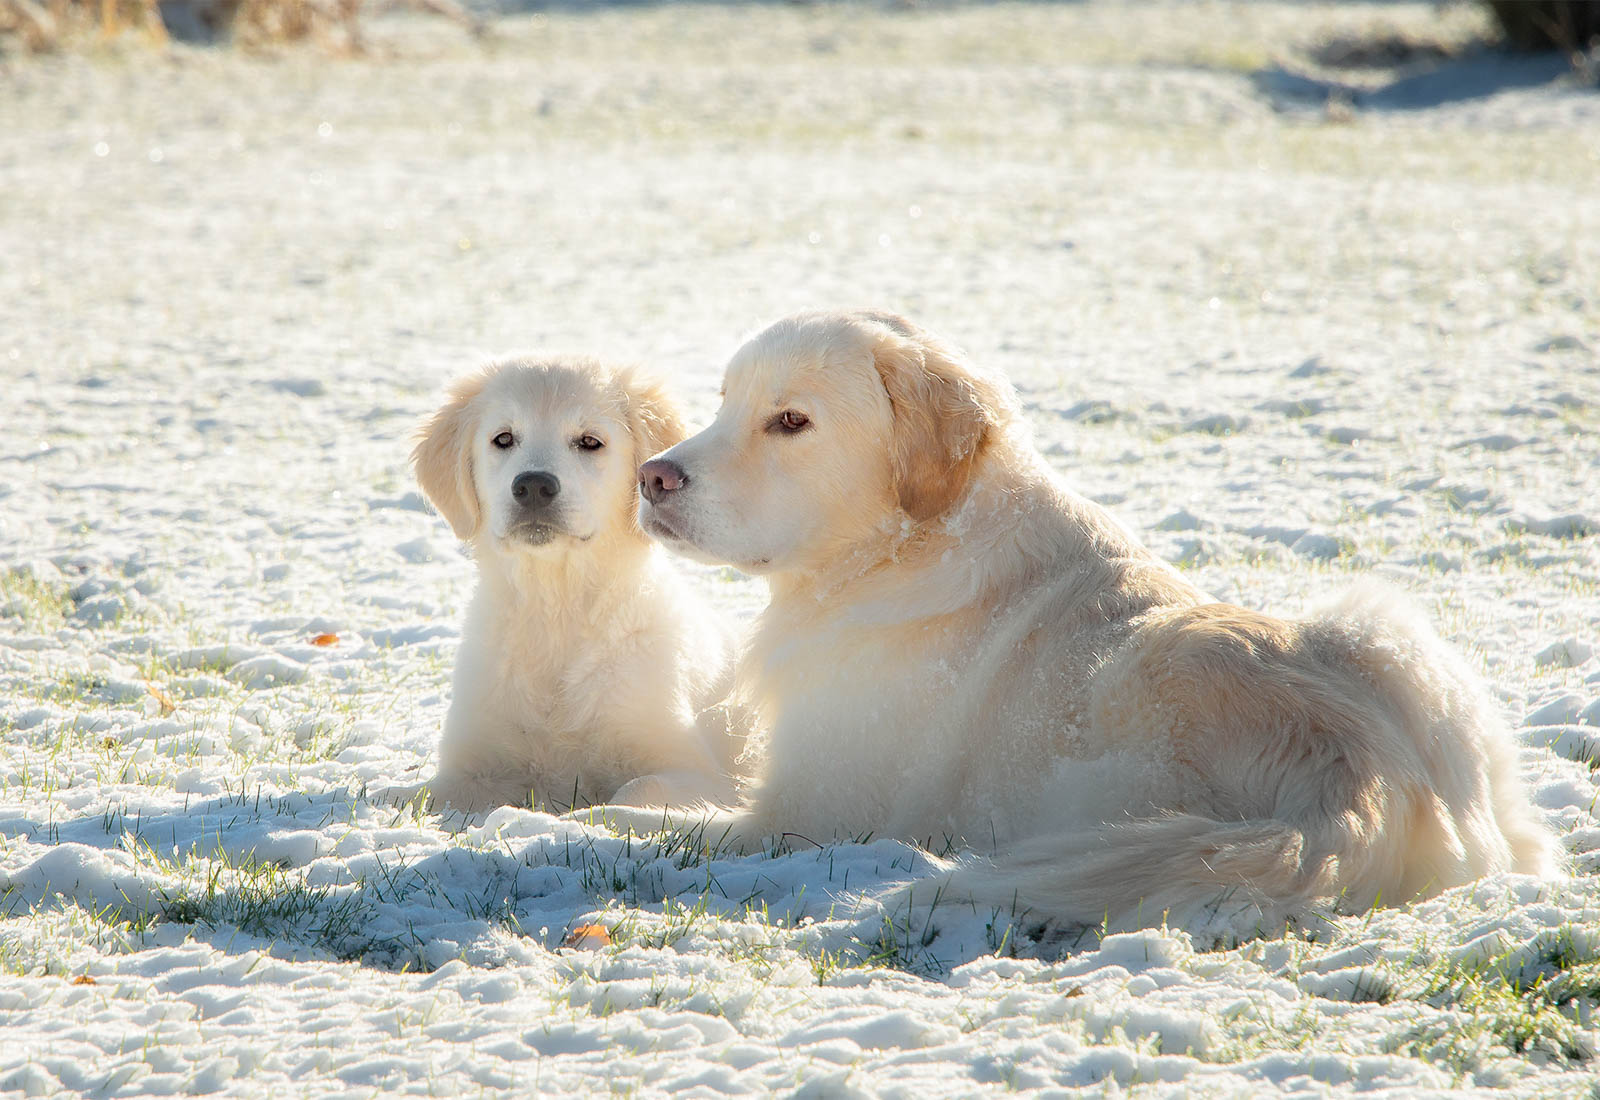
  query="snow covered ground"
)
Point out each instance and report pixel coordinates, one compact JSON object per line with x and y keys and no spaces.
{"x":1297,"y":322}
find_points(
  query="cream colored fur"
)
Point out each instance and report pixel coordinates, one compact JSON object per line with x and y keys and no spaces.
{"x":959,"y":649}
{"x":586,"y":669}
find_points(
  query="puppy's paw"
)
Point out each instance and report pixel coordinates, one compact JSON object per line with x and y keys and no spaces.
{"x":471,"y":794}
{"x":399,"y":795}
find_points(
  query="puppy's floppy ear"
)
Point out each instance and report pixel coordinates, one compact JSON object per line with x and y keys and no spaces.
{"x":945,"y":413}
{"x":654,"y":419}
{"x":442,"y":457}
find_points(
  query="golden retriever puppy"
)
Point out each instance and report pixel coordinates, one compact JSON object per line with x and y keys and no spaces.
{"x":960,"y":649}
{"x":585,"y":669}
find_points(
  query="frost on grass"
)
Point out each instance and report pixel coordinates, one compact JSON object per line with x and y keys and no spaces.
{"x":1287,"y":348}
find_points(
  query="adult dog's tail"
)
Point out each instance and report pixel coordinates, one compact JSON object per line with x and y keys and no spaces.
{"x":1186,"y":870}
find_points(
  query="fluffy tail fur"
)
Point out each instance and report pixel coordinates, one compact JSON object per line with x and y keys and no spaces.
{"x":1188,"y":871}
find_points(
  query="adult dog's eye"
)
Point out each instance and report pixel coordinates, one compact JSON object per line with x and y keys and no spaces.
{"x":504,"y":440}
{"x":790,"y":421}
{"x":590,"y":442}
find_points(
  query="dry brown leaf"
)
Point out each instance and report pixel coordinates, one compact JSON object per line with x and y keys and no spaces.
{"x":163,"y":696}
{"x":325,"y":639}
{"x":588,"y":937}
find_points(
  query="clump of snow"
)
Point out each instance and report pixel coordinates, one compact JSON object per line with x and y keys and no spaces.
{"x":267,"y":670}
{"x":1564,"y":708}
{"x":1319,"y":546}
{"x":1568,"y":653}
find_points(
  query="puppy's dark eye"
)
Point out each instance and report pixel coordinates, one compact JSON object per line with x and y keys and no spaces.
{"x":590,"y":442}
{"x":791,"y":421}
{"x":504,"y":440}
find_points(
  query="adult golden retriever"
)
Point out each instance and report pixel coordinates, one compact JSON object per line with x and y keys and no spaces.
{"x":586,"y":669}
{"x":961,"y":649}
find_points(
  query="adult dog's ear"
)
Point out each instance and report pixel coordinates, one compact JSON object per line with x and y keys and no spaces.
{"x":945,"y":413}
{"x":654,"y":419}
{"x":442,"y":458}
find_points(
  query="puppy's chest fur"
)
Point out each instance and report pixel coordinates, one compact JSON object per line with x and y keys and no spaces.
{"x":569,"y":693}
{"x":537,"y":670}
{"x":559,"y":677}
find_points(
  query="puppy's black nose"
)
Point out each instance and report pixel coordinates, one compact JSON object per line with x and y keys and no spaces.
{"x":661,"y":476}
{"x":535,"y":488}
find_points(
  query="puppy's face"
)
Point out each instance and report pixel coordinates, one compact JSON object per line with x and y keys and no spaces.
{"x":530,"y":455}
{"x":551,"y":457}
{"x":832,"y":427}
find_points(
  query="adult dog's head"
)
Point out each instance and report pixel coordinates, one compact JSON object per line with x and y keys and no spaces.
{"x":833,"y":427}
{"x":530,"y":454}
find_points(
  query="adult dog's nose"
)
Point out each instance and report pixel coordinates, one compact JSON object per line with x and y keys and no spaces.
{"x":661,"y":476}
{"x":535,"y":488}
